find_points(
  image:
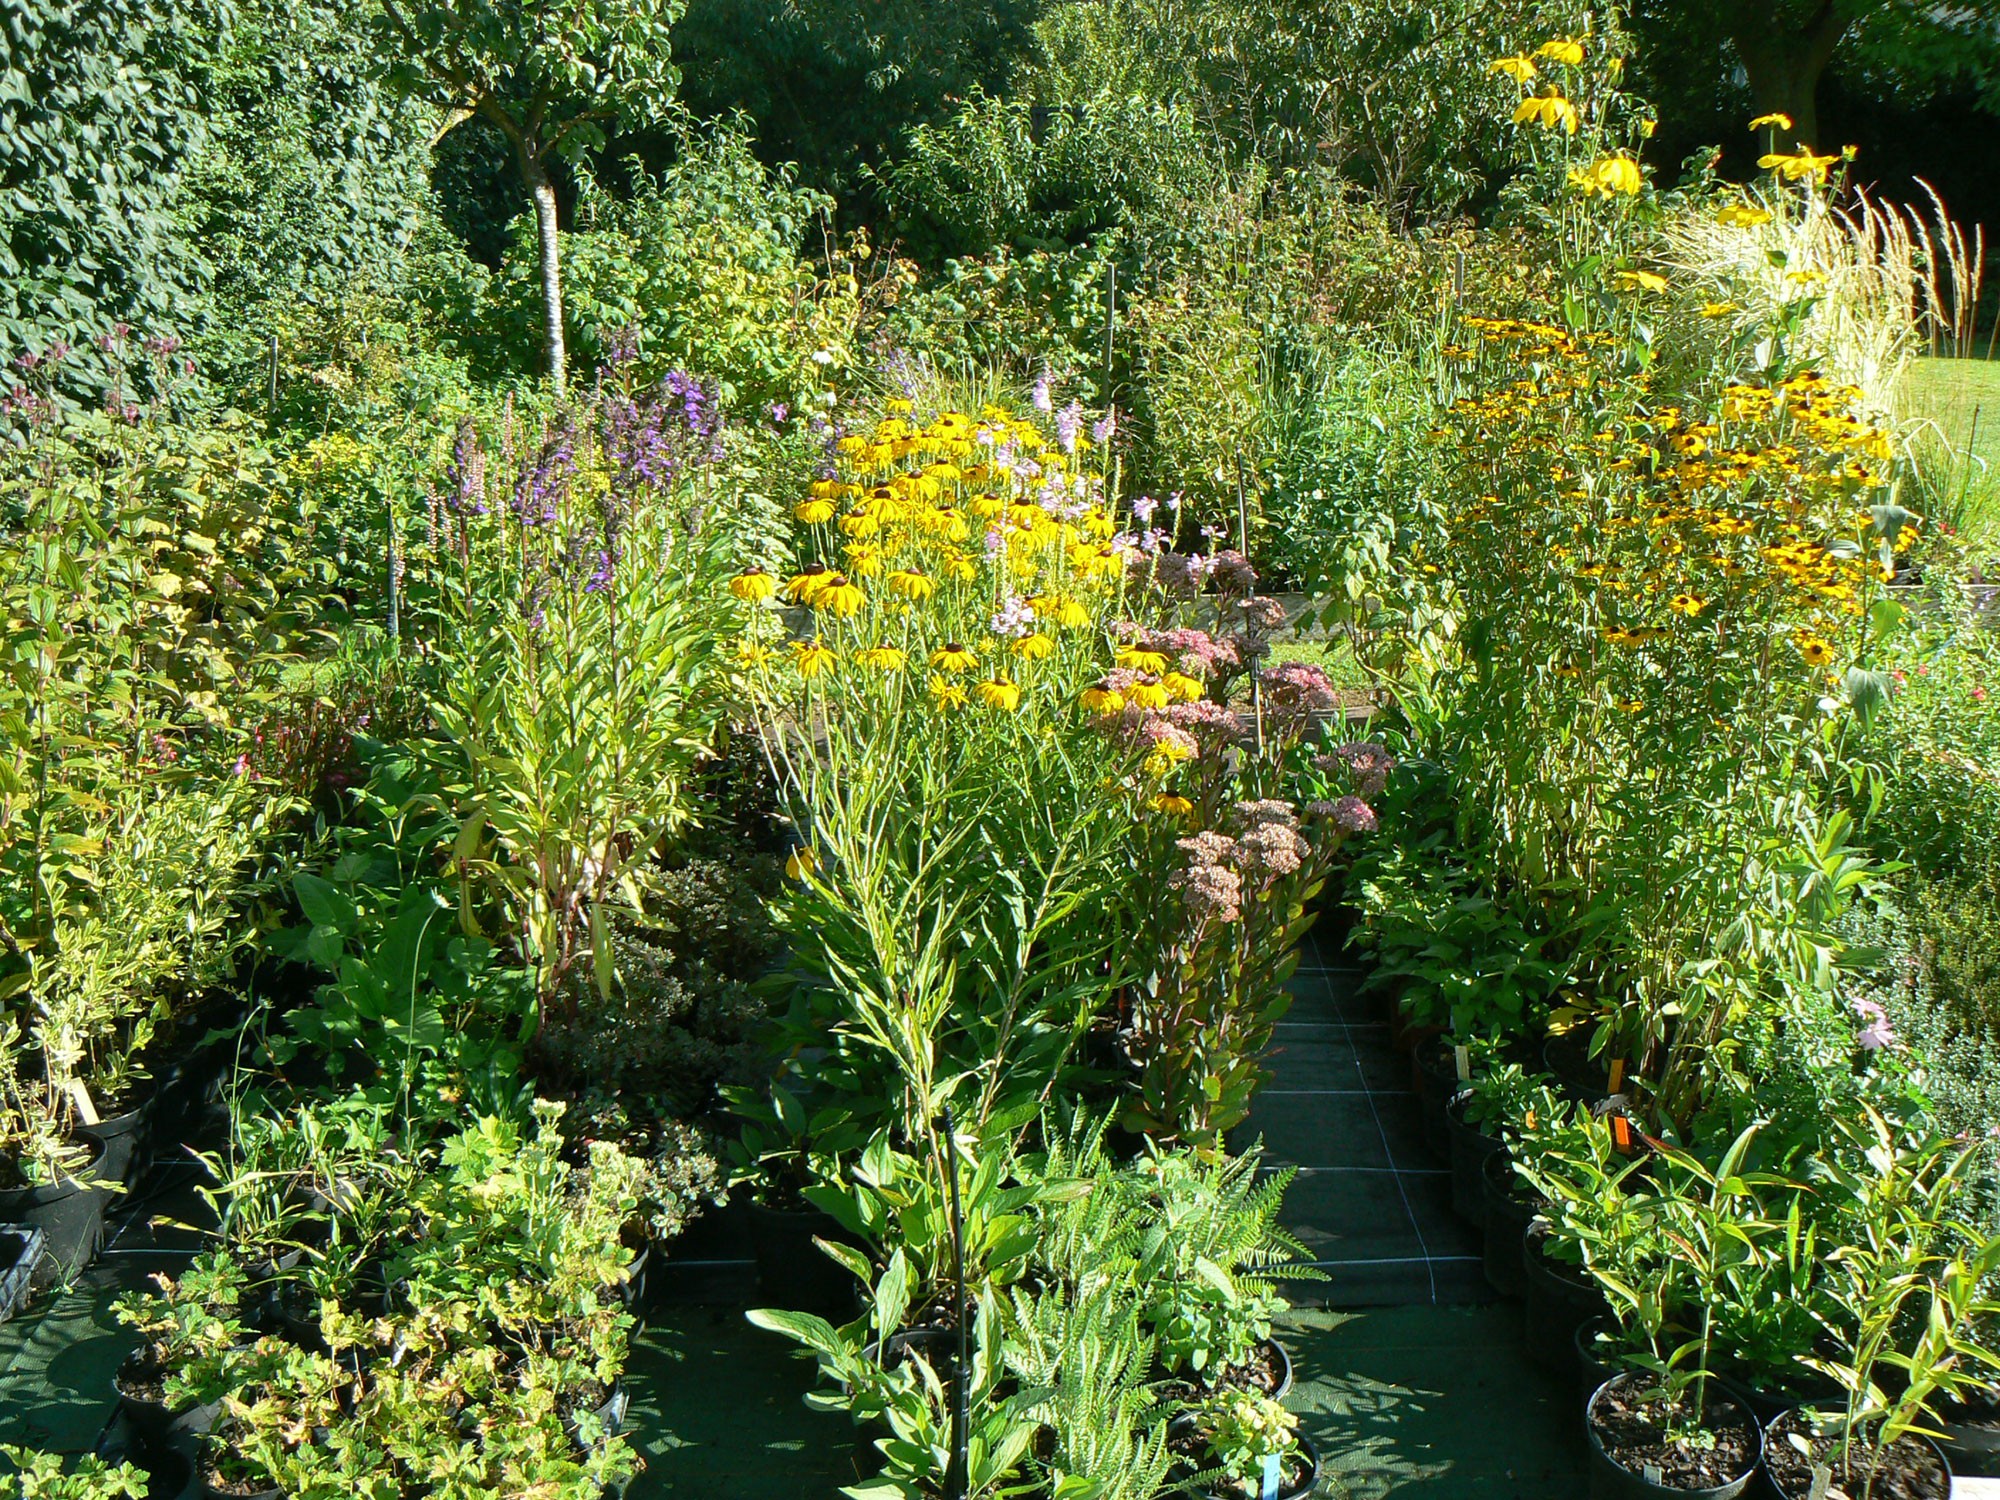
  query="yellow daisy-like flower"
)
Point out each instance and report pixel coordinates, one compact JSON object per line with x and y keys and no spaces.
{"x":1742,"y":216}
{"x":1062,"y":609}
{"x":883,"y":658}
{"x":804,"y":586}
{"x":1718,"y":309}
{"x":814,"y":512}
{"x":1817,"y":652}
{"x":1609,"y":175}
{"x":1520,"y":69}
{"x":999,"y":693}
{"x":1797,"y":167}
{"x":800,"y":864}
{"x":952,"y":657}
{"x":1686,"y":604}
{"x":1150,"y":694}
{"x":1173,"y":806}
{"x":912,"y":585}
{"x":1617,"y":636}
{"x":947,"y":694}
{"x":1561,"y":49}
{"x":1102,"y":699}
{"x":1639,"y":281}
{"x":1034,"y":647}
{"x":753,"y":586}
{"x":811,"y":658}
{"x":1140,"y":660}
{"x":839,"y":598}
{"x":1778,"y":119}
{"x":750,"y":654}
{"x":1186,"y":688}
{"x":959,"y":567}
{"x":1549,"y":110}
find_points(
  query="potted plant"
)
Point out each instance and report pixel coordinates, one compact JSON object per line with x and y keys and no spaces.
{"x":1900,"y":1318}
{"x":1654,"y":1435}
{"x":1239,"y":1442}
{"x":41,"y":1476}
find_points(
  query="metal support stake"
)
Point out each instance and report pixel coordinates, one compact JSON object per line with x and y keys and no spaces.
{"x":956,"y":1476}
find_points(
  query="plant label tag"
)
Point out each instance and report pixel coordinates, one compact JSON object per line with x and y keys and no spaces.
{"x":1822,"y":1477}
{"x":1271,"y":1466}
{"x":86,"y":1109}
{"x":1617,"y":1074}
{"x":1654,"y":1476}
{"x":1621,"y":1132}
{"x":1463,"y":1055}
{"x":1528,"y":1123}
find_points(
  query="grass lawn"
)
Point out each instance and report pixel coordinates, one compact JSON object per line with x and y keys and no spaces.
{"x":1962,"y":396}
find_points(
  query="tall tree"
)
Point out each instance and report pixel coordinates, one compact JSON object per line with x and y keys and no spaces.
{"x":552,"y":77}
{"x":1785,"y":46}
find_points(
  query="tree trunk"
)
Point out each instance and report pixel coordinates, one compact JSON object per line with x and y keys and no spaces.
{"x":536,"y":175}
{"x":1784,"y":63}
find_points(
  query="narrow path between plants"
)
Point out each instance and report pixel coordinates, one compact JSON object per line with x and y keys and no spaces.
{"x":1372,"y":1201}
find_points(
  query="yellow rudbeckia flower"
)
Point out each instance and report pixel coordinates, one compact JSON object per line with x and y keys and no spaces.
{"x":1778,"y":119}
{"x":1034,"y":647}
{"x":1102,"y":699}
{"x":1609,"y":176}
{"x":999,"y":693}
{"x":1797,"y":167}
{"x":1140,"y":660}
{"x":839,"y":598}
{"x":803,"y":586}
{"x":1639,"y":281}
{"x":912,"y":585}
{"x":1173,"y":806}
{"x":883,"y":658}
{"x":1520,"y":69}
{"x":946,"y":693}
{"x":1742,"y":216}
{"x":1549,"y":110}
{"x":800,"y":864}
{"x":1150,"y":694}
{"x":814,"y":512}
{"x":753,"y":586}
{"x":811,"y":658}
{"x":952,"y":657}
{"x":1561,"y":49}
{"x":1182,"y":686}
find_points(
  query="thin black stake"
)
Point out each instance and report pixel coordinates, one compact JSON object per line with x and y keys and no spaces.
{"x":956,"y":1477}
{"x":1110,"y":321}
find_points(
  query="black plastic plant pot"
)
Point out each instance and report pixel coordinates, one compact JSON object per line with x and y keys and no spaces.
{"x":1594,"y":1362}
{"x":1609,"y":1480}
{"x":1510,"y":1209}
{"x":20,"y":1250}
{"x":126,"y":1138}
{"x":1768,"y":1398}
{"x":633,"y":1289}
{"x":208,"y":1486}
{"x":1435,"y":1074}
{"x":70,"y":1215}
{"x":1559,"y":1298}
{"x":155,"y":1425}
{"x":1303,"y":1480}
{"x":1788,"y":1474}
{"x":1971,"y":1441}
{"x":1567,"y":1058}
{"x":1468,"y":1147}
{"x":794,"y":1272}
{"x":610,"y":1415}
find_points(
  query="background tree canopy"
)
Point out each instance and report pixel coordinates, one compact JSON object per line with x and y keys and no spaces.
{"x":226,"y":170}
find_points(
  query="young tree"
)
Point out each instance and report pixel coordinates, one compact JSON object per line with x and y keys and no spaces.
{"x":552,"y":76}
